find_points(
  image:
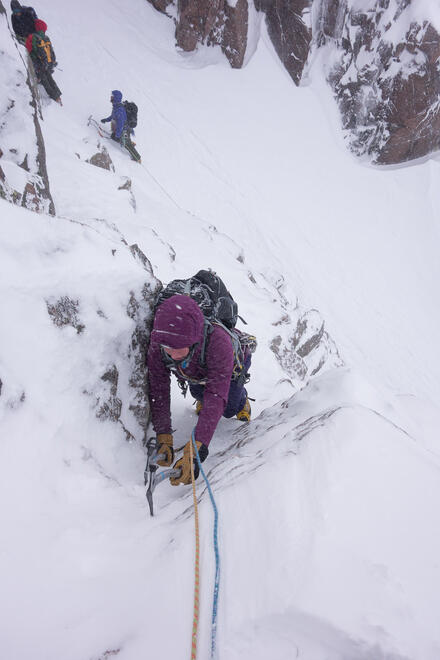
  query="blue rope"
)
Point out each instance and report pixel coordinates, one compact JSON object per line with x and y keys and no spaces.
{"x":216,"y":551}
{"x":161,"y":476}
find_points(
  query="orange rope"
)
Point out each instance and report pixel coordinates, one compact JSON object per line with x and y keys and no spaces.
{"x":197,"y":562}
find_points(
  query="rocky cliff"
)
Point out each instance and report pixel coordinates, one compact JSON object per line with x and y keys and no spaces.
{"x":382,"y":60}
{"x":385,"y":77}
{"x":23,"y":173}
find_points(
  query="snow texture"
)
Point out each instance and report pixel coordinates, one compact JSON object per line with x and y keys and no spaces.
{"x":328,"y":497}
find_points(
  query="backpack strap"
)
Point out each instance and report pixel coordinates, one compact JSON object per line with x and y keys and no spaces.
{"x":187,"y":288}
{"x":207,"y":331}
{"x":238,"y":369}
{"x":45,"y":45}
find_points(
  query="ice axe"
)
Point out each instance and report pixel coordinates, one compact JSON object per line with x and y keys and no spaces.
{"x":150,"y":476}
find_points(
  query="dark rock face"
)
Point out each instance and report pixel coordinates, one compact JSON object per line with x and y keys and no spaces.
{"x":384,"y":72}
{"x":210,"y":22}
{"x":213,"y":23}
{"x":161,"y":5}
{"x":288,"y":24}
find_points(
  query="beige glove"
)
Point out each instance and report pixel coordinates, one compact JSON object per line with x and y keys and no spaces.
{"x":184,"y":463}
{"x":165,"y":446}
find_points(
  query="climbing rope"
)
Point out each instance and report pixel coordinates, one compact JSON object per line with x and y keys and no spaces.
{"x":216,"y":548}
{"x":196,"y":564}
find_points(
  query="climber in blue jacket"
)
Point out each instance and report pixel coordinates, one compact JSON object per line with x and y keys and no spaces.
{"x":118,"y":117}
{"x":120,"y":126}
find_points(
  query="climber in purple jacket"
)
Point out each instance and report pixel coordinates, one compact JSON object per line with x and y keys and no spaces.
{"x":175,"y":345}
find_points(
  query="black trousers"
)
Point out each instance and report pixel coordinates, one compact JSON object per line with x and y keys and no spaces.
{"x":44,"y":77}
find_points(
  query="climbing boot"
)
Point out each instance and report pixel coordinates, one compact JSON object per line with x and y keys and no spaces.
{"x":199,"y":406}
{"x":244,"y":415}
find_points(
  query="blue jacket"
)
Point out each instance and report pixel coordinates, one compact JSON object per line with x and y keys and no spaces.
{"x":119,"y":116}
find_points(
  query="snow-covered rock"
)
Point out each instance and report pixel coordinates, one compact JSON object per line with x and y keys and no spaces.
{"x":80,"y":315}
{"x":384,"y":70}
{"x":381,"y":60}
{"x":327,"y":499}
{"x":23,"y":172}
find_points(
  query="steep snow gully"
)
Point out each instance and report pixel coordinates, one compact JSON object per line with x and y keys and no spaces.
{"x":328,"y":498}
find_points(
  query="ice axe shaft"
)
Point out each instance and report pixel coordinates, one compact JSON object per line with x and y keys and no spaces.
{"x":150,"y":476}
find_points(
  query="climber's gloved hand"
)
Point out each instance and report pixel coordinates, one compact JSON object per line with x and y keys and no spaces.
{"x":184,"y":463}
{"x":103,"y":121}
{"x":165,"y":446}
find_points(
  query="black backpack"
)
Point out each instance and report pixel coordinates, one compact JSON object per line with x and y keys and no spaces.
{"x":131,"y":110}
{"x":44,"y":50}
{"x":219,"y":308}
{"x":209,"y":292}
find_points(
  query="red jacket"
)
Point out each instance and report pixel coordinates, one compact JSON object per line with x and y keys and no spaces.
{"x":40,"y":26}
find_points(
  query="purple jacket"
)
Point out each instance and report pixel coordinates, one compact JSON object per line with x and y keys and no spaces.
{"x":185,"y":328}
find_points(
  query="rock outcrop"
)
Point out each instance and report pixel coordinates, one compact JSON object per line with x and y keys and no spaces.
{"x":289,"y":27}
{"x":297,"y":337}
{"x":64,"y":312}
{"x":110,"y":395}
{"x":386,"y":81}
{"x":23,"y":172}
{"x":307,"y":350}
{"x":117,"y":383}
{"x":102,"y":159}
{"x":214,"y":23}
{"x":382,"y":60}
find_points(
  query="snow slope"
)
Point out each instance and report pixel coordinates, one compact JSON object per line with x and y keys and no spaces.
{"x":327,"y":499}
